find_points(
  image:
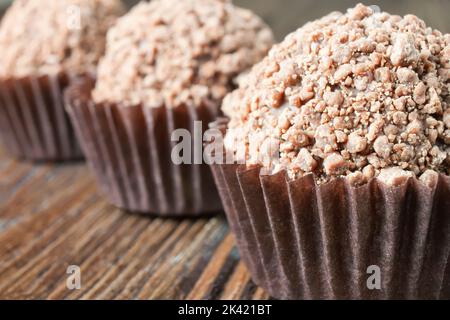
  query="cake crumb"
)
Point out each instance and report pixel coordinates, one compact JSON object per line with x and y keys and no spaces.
{"x":429,"y":178}
{"x":394,"y":176}
{"x":334,"y":164}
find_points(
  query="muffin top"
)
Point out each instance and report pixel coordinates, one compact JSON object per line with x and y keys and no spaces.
{"x":179,"y":52}
{"x":46,"y":37}
{"x":360,"y":94}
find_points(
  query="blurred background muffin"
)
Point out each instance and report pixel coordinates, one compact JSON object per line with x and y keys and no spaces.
{"x":39,"y":38}
{"x":45,"y":44}
{"x":167,"y":67}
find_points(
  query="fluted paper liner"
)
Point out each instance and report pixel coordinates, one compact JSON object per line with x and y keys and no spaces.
{"x":129,"y":149}
{"x":33,"y":121}
{"x":302,"y":240}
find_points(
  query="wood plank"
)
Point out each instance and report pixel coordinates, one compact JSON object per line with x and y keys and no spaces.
{"x":53,"y":216}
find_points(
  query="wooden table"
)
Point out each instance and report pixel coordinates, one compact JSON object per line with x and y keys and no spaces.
{"x":52,"y":216}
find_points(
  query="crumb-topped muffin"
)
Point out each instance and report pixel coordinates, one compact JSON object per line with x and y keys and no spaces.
{"x":44,"y":45}
{"x":47,"y":37}
{"x":361,"y":94}
{"x":167,"y":66}
{"x":341,"y":135}
{"x":180,"y":52}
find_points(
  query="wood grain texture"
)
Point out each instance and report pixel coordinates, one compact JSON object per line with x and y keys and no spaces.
{"x":52,"y":216}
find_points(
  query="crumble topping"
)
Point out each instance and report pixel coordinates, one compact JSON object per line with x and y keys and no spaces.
{"x":46,"y":37}
{"x":180,"y":52}
{"x":360,"y":94}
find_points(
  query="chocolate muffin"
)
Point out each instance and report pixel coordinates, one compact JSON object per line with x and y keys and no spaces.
{"x":44,"y":44}
{"x":343,"y":137}
{"x":168,"y":65}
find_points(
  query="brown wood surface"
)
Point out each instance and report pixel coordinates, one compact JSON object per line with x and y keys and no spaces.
{"x":52,"y":216}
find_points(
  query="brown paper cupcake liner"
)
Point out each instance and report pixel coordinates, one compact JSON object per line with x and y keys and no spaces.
{"x":33,"y":121}
{"x":129,"y":150}
{"x":304,"y":240}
